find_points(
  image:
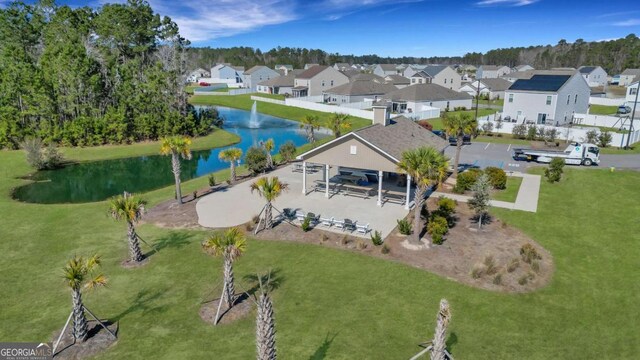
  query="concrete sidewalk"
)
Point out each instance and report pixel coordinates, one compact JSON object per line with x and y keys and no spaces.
{"x":527,"y":199}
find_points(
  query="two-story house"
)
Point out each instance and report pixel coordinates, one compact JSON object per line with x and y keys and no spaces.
{"x":442,"y":75}
{"x":385,"y":69}
{"x":628,"y":76}
{"x":317,"y":79}
{"x":632,"y":96}
{"x":257,"y":74}
{"x":594,"y":75}
{"x":417,"y":97}
{"x":492,"y":71}
{"x":227,"y":73}
{"x":547,"y":99}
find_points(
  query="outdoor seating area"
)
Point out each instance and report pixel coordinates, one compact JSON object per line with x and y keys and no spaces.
{"x":331,"y":223}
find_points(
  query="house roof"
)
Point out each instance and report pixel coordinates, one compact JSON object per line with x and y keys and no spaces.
{"x":397,"y":79}
{"x":550,"y":83}
{"x":427,"y":92}
{"x":400,"y":135}
{"x":433,"y":70}
{"x":520,"y":67}
{"x":254,"y":69}
{"x":342,"y":65}
{"x":496,"y":84}
{"x":312,"y":71}
{"x":586,"y":69}
{"x":492,"y":67}
{"x":286,"y":66}
{"x":307,"y":66}
{"x":284,"y":80}
{"x":422,"y":74}
{"x":634,"y":72}
{"x":388,"y":67}
{"x":238,"y":68}
{"x":362,"y":87}
{"x":371,"y":77}
{"x":351,"y":72}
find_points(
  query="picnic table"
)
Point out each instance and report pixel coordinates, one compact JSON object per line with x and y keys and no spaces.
{"x":350,"y":178}
{"x":395,"y":196}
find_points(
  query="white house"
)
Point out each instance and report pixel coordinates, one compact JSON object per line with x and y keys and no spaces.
{"x":309,"y":66}
{"x":341,"y":66}
{"x":283,"y":68}
{"x":523,"y":68}
{"x":594,"y":75}
{"x":196,"y":74}
{"x":632,"y":93}
{"x":258,"y":74}
{"x":317,"y":79}
{"x":227,"y":73}
{"x":547,"y":99}
{"x":414,"y":97}
{"x":494,"y":88}
{"x":385,"y":69}
{"x":442,"y":75}
{"x":629,"y":76}
{"x":492,"y":71}
{"x":357,"y":91}
{"x":279,"y":85}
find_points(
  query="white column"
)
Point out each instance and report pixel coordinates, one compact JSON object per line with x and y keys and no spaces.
{"x":326,"y":181}
{"x":304,"y":177}
{"x":406,"y":206}
{"x":379,"y":188}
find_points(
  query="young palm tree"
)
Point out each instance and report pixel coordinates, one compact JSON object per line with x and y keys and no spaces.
{"x":338,"y":123}
{"x":310,"y":123}
{"x":178,"y":147}
{"x":78,"y":272}
{"x":130,"y":209}
{"x":269,"y":145}
{"x":458,"y":126}
{"x":230,"y":245}
{"x":265,"y":323}
{"x":440,"y":337}
{"x":425,"y":165}
{"x":231,"y":155}
{"x":269,"y":188}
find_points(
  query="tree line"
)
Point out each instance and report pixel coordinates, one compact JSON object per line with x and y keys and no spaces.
{"x":614,"y":56}
{"x":84,"y":76}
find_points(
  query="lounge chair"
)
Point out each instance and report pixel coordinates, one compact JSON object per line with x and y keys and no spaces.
{"x":339,"y":224}
{"x":313,"y":217}
{"x":300,"y":216}
{"x":326,"y":221}
{"x":363,"y":229}
{"x":349,"y":225}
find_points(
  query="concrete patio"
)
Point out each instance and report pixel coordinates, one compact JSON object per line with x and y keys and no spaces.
{"x":236,"y":205}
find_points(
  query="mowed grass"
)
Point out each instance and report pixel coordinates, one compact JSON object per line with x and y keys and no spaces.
{"x":334,"y":304}
{"x":510,"y":193}
{"x":602,"y":109}
{"x":437,"y":122}
{"x":287,"y":112}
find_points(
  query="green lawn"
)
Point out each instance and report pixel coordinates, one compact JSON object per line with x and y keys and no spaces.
{"x":286,"y":112}
{"x":437,"y":122}
{"x":510,"y":193}
{"x":602,"y":109}
{"x":335,"y":303}
{"x":499,"y":102}
{"x":633,"y":149}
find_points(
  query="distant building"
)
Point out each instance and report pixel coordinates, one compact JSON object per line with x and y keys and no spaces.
{"x":385,"y":69}
{"x":357,"y":91}
{"x":341,"y":66}
{"x":414,"y":97}
{"x":442,"y":75}
{"x":398,"y":81}
{"x":523,"y":68}
{"x":279,"y":85}
{"x":308,"y":66}
{"x":632,"y":90}
{"x":493,"y":88}
{"x":258,"y":74}
{"x":492,"y":71}
{"x":196,"y":74}
{"x":629,"y":76}
{"x":283,"y":68}
{"x":594,"y":75}
{"x":317,"y":79}
{"x":228,"y":72}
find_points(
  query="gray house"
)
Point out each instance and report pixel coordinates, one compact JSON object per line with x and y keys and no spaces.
{"x":492,"y":71}
{"x":414,"y":97}
{"x":317,"y":79}
{"x":385,"y":69}
{"x":258,"y":74}
{"x":594,"y":75}
{"x":228,"y":72}
{"x":629,"y":76}
{"x":279,"y":85}
{"x":357,"y":91}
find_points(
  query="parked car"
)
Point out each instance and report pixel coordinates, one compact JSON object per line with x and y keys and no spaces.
{"x":466,"y":139}
{"x":440,"y":133}
{"x":623,"y":109}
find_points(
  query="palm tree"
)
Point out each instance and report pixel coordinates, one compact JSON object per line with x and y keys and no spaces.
{"x":231,"y":155}
{"x":439,"y":339}
{"x":268,"y":146}
{"x":129,"y":208}
{"x":177,"y":147}
{"x":269,"y":188}
{"x":458,"y":126}
{"x":338,"y":123}
{"x":265,"y":323}
{"x":78,"y":272}
{"x":425,"y":165}
{"x":230,"y":245}
{"x":310,"y":123}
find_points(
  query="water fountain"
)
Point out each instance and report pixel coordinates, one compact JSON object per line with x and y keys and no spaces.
{"x":254,"y":123}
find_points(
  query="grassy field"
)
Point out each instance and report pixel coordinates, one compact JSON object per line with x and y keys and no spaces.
{"x":511,"y":192}
{"x":633,"y":149}
{"x":602,"y":109}
{"x":499,"y":102}
{"x":437,"y":122}
{"x":286,"y":112}
{"x":331,"y":303}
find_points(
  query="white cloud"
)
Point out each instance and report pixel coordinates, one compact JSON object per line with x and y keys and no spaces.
{"x":630,"y":22}
{"x":506,"y":2}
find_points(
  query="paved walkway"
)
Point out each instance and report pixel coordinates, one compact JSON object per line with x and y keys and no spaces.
{"x":527,"y":199}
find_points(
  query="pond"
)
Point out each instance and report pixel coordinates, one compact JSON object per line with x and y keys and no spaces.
{"x":99,"y":180}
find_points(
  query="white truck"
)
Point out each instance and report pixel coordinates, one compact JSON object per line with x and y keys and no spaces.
{"x":574,"y":154}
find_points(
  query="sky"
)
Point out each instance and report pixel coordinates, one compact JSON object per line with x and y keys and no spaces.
{"x":395,"y":27}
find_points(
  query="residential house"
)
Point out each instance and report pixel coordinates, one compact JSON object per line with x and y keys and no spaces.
{"x":493,"y":88}
{"x":492,"y":71}
{"x":517,"y":75}
{"x":228,"y":72}
{"x":414,"y":97}
{"x":308,"y":66}
{"x":547,"y":98}
{"x":442,"y":75}
{"x":398,"y":81}
{"x":282,"y":85}
{"x":594,"y":75}
{"x":385,"y":69}
{"x":470,"y":68}
{"x":523,"y":68}
{"x":283,"y":68}
{"x":196,"y":74}
{"x":358,"y":90}
{"x":351,"y":72}
{"x":409,"y":71}
{"x":341,"y":66}
{"x":632,"y":96}
{"x":317,"y":79}
{"x":629,"y":76}
{"x":258,"y":74}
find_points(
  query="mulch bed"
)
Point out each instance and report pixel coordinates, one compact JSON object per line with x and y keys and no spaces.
{"x":241,"y":309}
{"x":98,"y":341}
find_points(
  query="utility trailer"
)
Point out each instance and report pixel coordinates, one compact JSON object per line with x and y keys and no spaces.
{"x":574,"y":154}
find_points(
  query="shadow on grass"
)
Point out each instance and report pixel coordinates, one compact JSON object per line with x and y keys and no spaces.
{"x":173,"y":239}
{"x":321,"y":351}
{"x":274,"y":278}
{"x":451,"y":341}
{"x":142,"y":302}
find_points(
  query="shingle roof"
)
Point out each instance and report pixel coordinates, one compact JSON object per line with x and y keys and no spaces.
{"x":254,"y":69}
{"x":586,"y":69}
{"x":635,"y":72}
{"x":496,"y":84}
{"x":541,"y":83}
{"x":286,"y":66}
{"x":351,"y":72}
{"x":372,"y":77}
{"x":285,"y":80}
{"x":397,"y":79}
{"x":422,"y":74}
{"x":433,"y":70}
{"x":362,"y":87}
{"x":491,"y":67}
{"x":400,"y":135}
{"x":312,"y":71}
{"x":388,"y":67}
{"x":427,"y":92}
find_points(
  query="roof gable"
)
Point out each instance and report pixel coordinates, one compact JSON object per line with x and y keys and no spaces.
{"x":547,"y":83}
{"x":313,"y":71}
{"x":427,"y":92}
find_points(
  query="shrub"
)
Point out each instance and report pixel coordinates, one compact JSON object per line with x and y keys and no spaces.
{"x":523,"y":280}
{"x":437,"y":228}
{"x":256,"y":159}
{"x":513,"y":265}
{"x":425,"y":124}
{"x":554,"y":172}
{"x":591,"y":137}
{"x":466,"y":180}
{"x":376,"y":238}
{"x":529,"y":253}
{"x":497,"y":177}
{"x":404,"y":227}
{"x":541,"y":133}
{"x":446,"y":209}
{"x":519,"y":131}
{"x":550,"y":135}
{"x":424,"y":212}
{"x":287,"y":151}
{"x":360,"y":244}
{"x":306,"y":224}
{"x":490,"y":267}
{"x":604,"y":139}
{"x":40,"y":157}
{"x":532,"y":131}
{"x":497,"y":280}
{"x":212,"y":180}
{"x":477,"y":271}
{"x":487,"y":128}
{"x":385,"y":249}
